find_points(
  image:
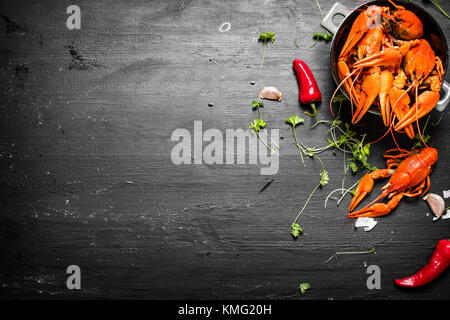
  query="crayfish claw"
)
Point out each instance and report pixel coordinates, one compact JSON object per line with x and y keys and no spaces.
{"x":363,"y":188}
{"x":372,"y":211}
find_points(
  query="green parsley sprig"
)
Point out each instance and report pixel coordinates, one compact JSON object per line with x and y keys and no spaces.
{"x":264,"y":37}
{"x":258,"y":124}
{"x":296,"y":230}
{"x":341,"y":137}
{"x":317,"y":36}
{"x":294,"y":121}
{"x":323,"y":36}
{"x":303,"y":287}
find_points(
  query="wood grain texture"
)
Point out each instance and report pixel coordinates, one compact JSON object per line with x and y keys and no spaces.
{"x":87,"y":178}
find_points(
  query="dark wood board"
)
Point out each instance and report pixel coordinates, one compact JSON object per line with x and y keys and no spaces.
{"x":87,"y":177}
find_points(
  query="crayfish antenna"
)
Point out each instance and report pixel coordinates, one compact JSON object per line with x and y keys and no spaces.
{"x":391,"y":122}
{"x":337,"y":89}
{"x":395,"y":141}
{"x":363,"y":3}
{"x":393,"y":138}
{"x":391,"y":125}
{"x":395,"y":5}
{"x":351,"y":89}
{"x":417,"y":117}
{"x":384,"y":135}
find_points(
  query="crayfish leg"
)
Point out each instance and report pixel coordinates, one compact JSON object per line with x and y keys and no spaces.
{"x":400,"y":153}
{"x":420,"y":190}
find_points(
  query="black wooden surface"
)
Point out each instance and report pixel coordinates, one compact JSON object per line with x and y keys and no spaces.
{"x":87,"y":178}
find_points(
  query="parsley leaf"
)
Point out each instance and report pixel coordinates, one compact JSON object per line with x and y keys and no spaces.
{"x":257,"y":124}
{"x":269,"y":36}
{"x":324,"y":178}
{"x":296,"y":230}
{"x":294,"y":120}
{"x":320,"y":36}
{"x":419,"y":143}
{"x":257,"y":104}
{"x":303,"y":287}
{"x":353,"y":167}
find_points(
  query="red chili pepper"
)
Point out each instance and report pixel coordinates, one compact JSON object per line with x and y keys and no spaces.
{"x":309,"y":90}
{"x":439,"y":261}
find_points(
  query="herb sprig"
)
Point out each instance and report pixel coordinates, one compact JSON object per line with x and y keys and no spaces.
{"x":341,"y":137}
{"x":303,"y":287}
{"x":317,"y":36}
{"x":294,"y":121}
{"x":264,"y":37}
{"x":323,"y":36}
{"x":258,"y":124}
{"x":296,"y":230}
{"x":440,"y":8}
{"x":351,"y":252}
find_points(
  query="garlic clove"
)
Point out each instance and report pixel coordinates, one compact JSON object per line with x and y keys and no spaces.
{"x":436,"y":204}
{"x":271,"y":93}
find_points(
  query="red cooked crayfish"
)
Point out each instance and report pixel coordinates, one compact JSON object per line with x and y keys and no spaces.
{"x":385,"y":62}
{"x":409,"y":172}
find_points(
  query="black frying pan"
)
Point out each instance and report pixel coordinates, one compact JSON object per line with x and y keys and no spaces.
{"x":432,"y":33}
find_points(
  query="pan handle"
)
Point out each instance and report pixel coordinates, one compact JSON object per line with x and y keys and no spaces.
{"x":443,"y":102}
{"x":327,"y":21}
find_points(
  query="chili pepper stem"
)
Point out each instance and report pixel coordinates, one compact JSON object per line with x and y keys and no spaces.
{"x":314,"y":113}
